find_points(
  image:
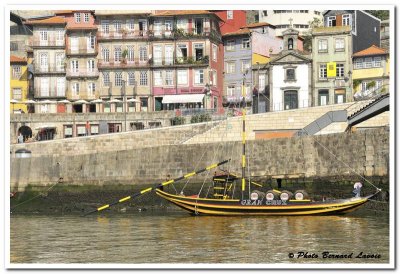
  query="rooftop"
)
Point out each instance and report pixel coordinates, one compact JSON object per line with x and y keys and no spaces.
{"x":47,"y":21}
{"x":259,"y":24}
{"x":243,"y":31}
{"x":331,"y":30}
{"x":372,"y":50}
{"x":16,"y":59}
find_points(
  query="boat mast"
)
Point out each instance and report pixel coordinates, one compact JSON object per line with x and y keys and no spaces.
{"x":243,"y":136}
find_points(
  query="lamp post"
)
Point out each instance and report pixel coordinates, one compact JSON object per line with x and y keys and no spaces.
{"x":207,"y":92}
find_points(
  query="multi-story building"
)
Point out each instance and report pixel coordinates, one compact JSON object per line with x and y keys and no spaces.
{"x":365,"y":28}
{"x":187,"y":60}
{"x":385,"y":34}
{"x":231,"y":20}
{"x":344,"y":32}
{"x":252,"y":44}
{"x":290,"y":82}
{"x":285,"y":19}
{"x":19,"y":36}
{"x":81,"y":60}
{"x":18,"y":84}
{"x":48,"y":45}
{"x":371,"y":70}
{"x":124,"y":60}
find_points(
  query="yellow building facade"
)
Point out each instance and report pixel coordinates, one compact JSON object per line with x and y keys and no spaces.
{"x":19,"y":84}
{"x":371,"y":70}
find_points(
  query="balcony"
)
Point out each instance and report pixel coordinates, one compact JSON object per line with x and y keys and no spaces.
{"x":49,"y":69}
{"x":50,"y":92}
{"x":84,"y":51}
{"x":236,"y":98}
{"x":36,"y":42}
{"x":123,"y":35}
{"x":181,"y":62}
{"x":102,"y":64}
{"x":82,"y":73}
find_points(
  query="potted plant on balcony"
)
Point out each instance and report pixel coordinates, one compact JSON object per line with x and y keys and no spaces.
{"x":124,"y":55}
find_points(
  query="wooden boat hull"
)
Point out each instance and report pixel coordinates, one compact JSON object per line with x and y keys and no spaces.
{"x":203,"y":206}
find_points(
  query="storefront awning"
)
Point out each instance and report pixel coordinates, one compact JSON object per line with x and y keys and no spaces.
{"x":183,"y":98}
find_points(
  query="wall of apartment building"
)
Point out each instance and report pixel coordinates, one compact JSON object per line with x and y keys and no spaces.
{"x":332,"y":55}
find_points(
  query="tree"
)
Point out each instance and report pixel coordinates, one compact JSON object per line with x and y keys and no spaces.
{"x":381,"y":14}
{"x":307,"y":43}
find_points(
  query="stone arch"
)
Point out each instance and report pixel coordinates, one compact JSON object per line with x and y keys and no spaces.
{"x":25,"y":131}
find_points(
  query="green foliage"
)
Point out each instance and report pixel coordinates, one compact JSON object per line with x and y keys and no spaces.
{"x":179,"y":120}
{"x":199,"y":118}
{"x":307,"y":42}
{"x":381,"y":14}
{"x":356,"y":83}
{"x":125,"y":53}
{"x":371,"y":84}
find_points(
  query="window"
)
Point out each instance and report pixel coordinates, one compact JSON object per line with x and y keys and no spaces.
{"x":199,"y":51}
{"x":231,"y":90}
{"x":143,"y":54}
{"x":339,"y":70}
{"x":181,"y":53}
{"x":44,"y":87}
{"x":323,"y":97}
{"x":182,"y":77}
{"x":94,"y":129}
{"x":16,"y":72}
{"x":261,"y":83}
{"x":358,"y":63}
{"x":339,"y":44}
{"x":117,"y":26}
{"x":290,"y":43}
{"x":323,"y":45}
{"x":60,"y":37}
{"x":75,"y":89}
{"x":117,"y":53}
{"x":246,"y":43}
{"x":230,"y":45}
{"x":77,"y":17}
{"x":68,"y":131}
{"x":364,"y":86}
{"x":214,"y":77}
{"x":105,"y":27}
{"x":74,"y":66}
{"x":169,"y":54}
{"x":59,"y":61}
{"x":157,"y":28}
{"x":86,"y":18}
{"x":118,"y":79}
{"x":346,"y":20}
{"x":168,"y":25}
{"x":157,"y":78}
{"x":340,"y":96}
{"x":331,"y":21}
{"x":105,"y":52}
{"x":90,"y":65}
{"x":230,"y":67}
{"x":17,"y":93}
{"x":131,"y":78}
{"x":368,"y":62}
{"x":91,"y":41}
{"x":106,"y":78}
{"x":290,"y":74}
{"x":131,"y":53}
{"x":143,"y":78}
{"x":377,"y":62}
{"x":323,"y":73}
{"x":229,"y":14}
{"x":246,"y":65}
{"x":130,"y":24}
{"x":169,"y":80}
{"x":91,"y":88}
{"x":181,"y":24}
{"x":199,"y":76}
{"x":265,"y":13}
{"x":144,"y":102}
{"x":60,"y":86}
{"x":214,"y":52}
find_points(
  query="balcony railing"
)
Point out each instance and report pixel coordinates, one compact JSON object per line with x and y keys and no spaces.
{"x":49,"y":69}
{"x":183,"y":61}
{"x":123,"y":63}
{"x":123,"y":34}
{"x":81,"y":51}
{"x":52,"y":42}
{"x":82,"y":73}
{"x":52,"y":91}
{"x":236,"y":98}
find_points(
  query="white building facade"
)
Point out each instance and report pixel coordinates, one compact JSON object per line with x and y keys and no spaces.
{"x":284,"y":19}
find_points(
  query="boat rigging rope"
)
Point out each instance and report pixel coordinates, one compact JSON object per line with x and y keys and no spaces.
{"x":345,"y":164}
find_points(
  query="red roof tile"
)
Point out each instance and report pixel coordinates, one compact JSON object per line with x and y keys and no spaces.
{"x":372,"y":50}
{"x":259,"y":24}
{"x":238,"y":32}
{"x":183,"y":12}
{"x":16,"y":59}
{"x":47,"y":21}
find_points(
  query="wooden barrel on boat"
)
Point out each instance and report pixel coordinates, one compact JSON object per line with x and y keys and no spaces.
{"x":272,"y":195}
{"x":257,"y":195}
{"x":286,"y":195}
{"x":301,"y":195}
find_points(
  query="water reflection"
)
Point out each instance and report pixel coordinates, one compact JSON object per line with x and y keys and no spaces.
{"x":180,"y":238}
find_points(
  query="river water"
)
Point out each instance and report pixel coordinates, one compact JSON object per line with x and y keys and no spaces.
{"x":178,"y":238}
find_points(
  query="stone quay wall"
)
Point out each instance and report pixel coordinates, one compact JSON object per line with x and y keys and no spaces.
{"x":337,"y":156}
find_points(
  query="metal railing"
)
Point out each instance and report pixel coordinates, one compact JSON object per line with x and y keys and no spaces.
{"x":204,"y":60}
{"x":82,"y":73}
{"x":123,"y":34}
{"x":81,"y":51}
{"x":51,"y":42}
{"x":123,"y":63}
{"x":49,"y":68}
{"x":51,"y":92}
